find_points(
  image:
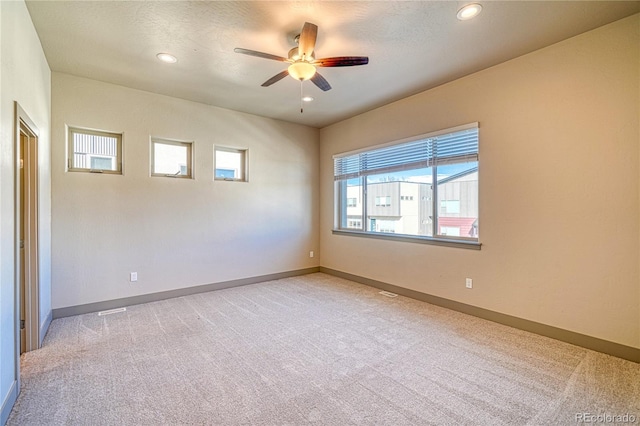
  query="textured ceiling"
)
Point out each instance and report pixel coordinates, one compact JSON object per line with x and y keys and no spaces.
{"x":412,"y":46}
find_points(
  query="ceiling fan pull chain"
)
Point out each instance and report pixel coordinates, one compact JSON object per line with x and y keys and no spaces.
{"x":301,"y":108}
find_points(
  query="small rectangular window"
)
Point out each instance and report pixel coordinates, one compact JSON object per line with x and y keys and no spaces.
{"x":230,"y":164}
{"x":354,"y":223}
{"x":94,"y":151}
{"x":171,"y":158}
{"x":383,"y":201}
{"x":449,"y":206}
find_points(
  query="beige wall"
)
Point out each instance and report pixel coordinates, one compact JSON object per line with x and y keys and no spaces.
{"x":24,"y":77}
{"x":176,"y":233}
{"x":559,"y":187}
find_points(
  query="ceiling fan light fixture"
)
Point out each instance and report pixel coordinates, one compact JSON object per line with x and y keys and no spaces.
{"x":469,"y":11}
{"x":301,"y":70}
{"x":167,"y":58}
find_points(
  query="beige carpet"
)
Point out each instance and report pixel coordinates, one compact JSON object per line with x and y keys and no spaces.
{"x":312,"y":350}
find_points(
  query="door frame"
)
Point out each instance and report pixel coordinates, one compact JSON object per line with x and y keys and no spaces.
{"x":24,"y":126}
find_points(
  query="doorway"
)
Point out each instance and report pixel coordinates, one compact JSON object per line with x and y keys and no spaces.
{"x":27,"y":270}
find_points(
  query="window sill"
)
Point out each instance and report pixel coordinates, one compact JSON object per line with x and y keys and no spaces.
{"x":229,"y":180}
{"x":95,"y":171}
{"x":470,"y":245}
{"x":172,"y":176}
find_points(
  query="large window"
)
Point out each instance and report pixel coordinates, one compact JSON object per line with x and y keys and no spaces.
{"x":171,"y":158}
{"x":424,"y":188}
{"x":94,"y":151}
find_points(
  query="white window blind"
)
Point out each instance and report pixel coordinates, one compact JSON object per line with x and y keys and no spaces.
{"x":455,"y":147}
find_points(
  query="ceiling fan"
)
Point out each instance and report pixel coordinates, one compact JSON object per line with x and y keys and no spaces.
{"x":303,"y":61}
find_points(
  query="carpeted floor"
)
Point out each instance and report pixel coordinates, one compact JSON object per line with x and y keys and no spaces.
{"x":314,"y":349}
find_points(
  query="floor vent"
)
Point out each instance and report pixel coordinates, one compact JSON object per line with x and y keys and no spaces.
{"x":388,"y":294}
{"x":111,"y":311}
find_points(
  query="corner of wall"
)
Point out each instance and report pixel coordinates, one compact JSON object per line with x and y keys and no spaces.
{"x":8,"y":402}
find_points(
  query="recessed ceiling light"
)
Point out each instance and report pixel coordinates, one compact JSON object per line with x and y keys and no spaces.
{"x":165,"y":57}
{"x":307,"y":99}
{"x":469,"y":11}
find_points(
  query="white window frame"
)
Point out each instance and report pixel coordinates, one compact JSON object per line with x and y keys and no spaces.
{"x":357,"y":164}
{"x":164,"y":141}
{"x":244,"y":163}
{"x":71,"y":167}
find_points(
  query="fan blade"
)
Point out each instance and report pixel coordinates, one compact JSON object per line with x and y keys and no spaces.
{"x":260,"y":54}
{"x":275,"y":78}
{"x":341,"y":61}
{"x":320,"y":81}
{"x":307,"y":41}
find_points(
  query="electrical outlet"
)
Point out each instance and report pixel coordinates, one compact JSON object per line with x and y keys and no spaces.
{"x":311,"y":254}
{"x":133,"y":276}
{"x":469,"y":283}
